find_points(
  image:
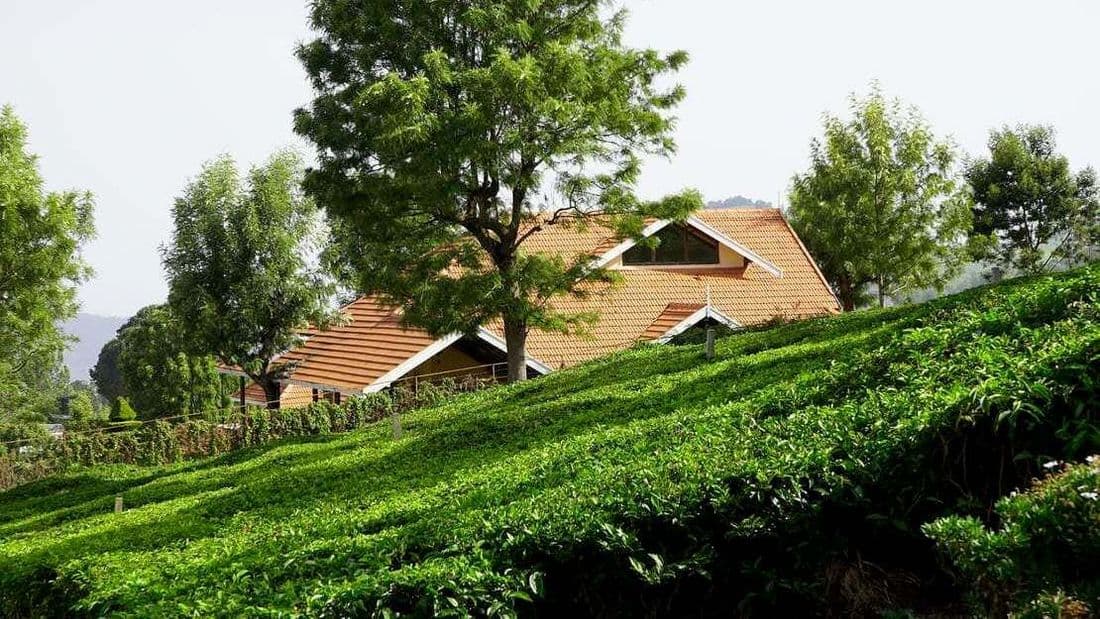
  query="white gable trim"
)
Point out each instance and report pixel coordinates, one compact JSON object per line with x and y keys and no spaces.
{"x":621,"y":248}
{"x":699,"y":225}
{"x":701,"y":314}
{"x":437,"y":347}
{"x":498,"y":342}
{"x":706,"y":229}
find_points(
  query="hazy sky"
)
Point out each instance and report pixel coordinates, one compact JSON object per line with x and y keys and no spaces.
{"x":127,"y":98}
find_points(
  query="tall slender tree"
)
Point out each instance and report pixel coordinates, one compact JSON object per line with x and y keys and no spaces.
{"x":443,"y":127}
{"x":239,"y":276}
{"x":881,"y":204}
{"x":41,"y":235}
{"x":1035,"y":211}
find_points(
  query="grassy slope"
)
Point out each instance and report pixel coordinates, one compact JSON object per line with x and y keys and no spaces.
{"x":674,"y":483}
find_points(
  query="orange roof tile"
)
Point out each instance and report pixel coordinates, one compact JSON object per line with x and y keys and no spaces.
{"x":673,"y":314}
{"x":356,"y":353}
{"x":749,"y":295}
{"x":644,"y":305}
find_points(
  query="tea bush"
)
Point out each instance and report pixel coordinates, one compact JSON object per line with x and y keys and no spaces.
{"x":790,"y":476}
{"x":160,"y":442}
{"x":1043,"y":557}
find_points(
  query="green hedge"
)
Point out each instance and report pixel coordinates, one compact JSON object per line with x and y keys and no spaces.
{"x":161,"y":442}
{"x":1042,"y":559}
{"x":791,"y":476}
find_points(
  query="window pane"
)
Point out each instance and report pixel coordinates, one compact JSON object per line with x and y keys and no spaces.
{"x":671,"y":249}
{"x":678,"y":246}
{"x":638,"y":255}
{"x":701,"y":251}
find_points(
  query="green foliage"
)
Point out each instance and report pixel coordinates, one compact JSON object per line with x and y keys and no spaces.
{"x":790,"y":476}
{"x":239,"y":282}
{"x":81,"y":410}
{"x":131,"y":442}
{"x":122,"y":411}
{"x":106,"y":374}
{"x":41,"y":235}
{"x":442,"y":126}
{"x":1036,"y":212}
{"x":23,"y":432}
{"x":1041,"y":558}
{"x":160,"y":377}
{"x":881,"y":204}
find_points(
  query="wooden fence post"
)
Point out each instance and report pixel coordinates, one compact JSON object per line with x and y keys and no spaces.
{"x":396,"y":423}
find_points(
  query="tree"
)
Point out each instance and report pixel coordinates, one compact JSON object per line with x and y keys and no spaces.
{"x":444,"y":127}
{"x":41,"y":235}
{"x":239,"y":281}
{"x":1034,"y":210}
{"x":122,"y":411}
{"x":81,"y":410}
{"x":160,"y":378}
{"x":106,"y":374}
{"x":880,"y":204}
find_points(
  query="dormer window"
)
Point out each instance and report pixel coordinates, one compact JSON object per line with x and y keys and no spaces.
{"x":679,"y":245}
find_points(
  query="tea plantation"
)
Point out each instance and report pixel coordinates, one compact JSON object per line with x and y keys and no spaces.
{"x":805,"y":471}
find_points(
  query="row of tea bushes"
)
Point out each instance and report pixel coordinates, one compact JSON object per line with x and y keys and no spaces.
{"x":164,"y":442}
{"x":790,"y":476}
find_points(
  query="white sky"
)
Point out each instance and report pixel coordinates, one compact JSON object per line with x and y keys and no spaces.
{"x":127,"y":98}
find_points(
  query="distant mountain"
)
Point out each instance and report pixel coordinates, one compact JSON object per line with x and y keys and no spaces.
{"x":92,"y":332}
{"x":739,"y":201}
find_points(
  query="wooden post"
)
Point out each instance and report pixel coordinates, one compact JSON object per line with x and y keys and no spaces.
{"x":118,"y":505}
{"x":710,"y":343}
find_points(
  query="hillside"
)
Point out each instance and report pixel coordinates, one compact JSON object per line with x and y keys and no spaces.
{"x":91,"y":333}
{"x":791,"y":475}
{"x":739,"y":201}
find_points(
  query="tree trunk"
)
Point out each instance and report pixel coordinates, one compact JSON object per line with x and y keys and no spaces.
{"x":272,"y":392}
{"x":515,"y":340}
{"x":881,"y":292}
{"x":846,"y":295}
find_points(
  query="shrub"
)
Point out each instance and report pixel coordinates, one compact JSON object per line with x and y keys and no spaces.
{"x":121,"y":410}
{"x":790,"y":476}
{"x":1042,"y":557}
{"x":159,"y":442}
{"x":81,"y":410}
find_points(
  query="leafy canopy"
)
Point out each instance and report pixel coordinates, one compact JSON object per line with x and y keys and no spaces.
{"x":880,"y":203}
{"x":160,"y":378}
{"x":443,"y":127}
{"x":1035,"y":210}
{"x":106,"y":374}
{"x":239,"y":278}
{"x":41,"y":234}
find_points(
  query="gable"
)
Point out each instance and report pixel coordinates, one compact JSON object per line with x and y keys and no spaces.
{"x":696,"y":224}
{"x":773,"y":277}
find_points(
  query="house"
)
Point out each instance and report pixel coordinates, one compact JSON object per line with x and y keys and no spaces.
{"x":735,"y":267}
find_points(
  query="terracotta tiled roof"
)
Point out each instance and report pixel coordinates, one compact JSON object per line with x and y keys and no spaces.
{"x":352,"y":355}
{"x":673,"y":314}
{"x":749,"y":295}
{"x":643,"y":306}
{"x":570,"y":238}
